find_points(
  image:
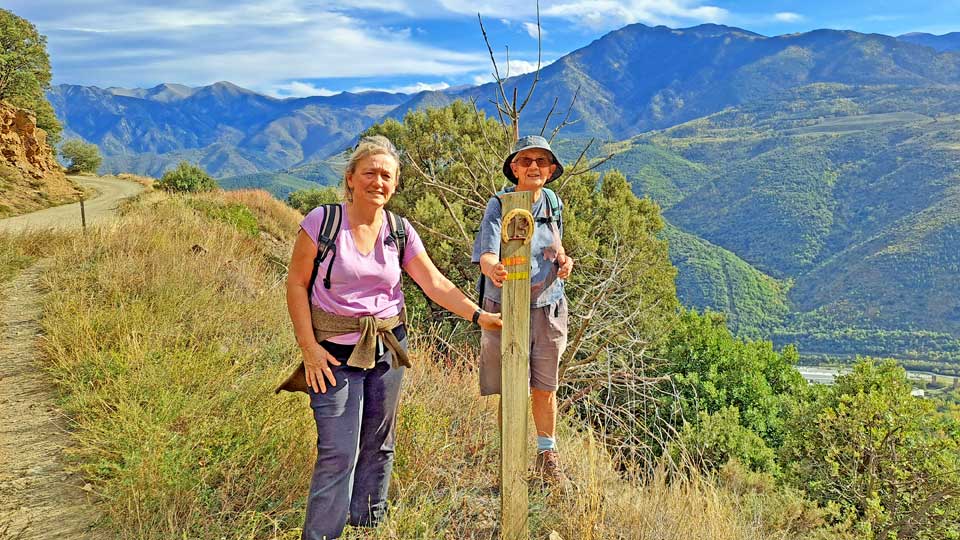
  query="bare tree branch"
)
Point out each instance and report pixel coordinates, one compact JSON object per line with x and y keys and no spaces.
{"x":566,"y":119}
{"x":549,"y":114}
{"x":496,"y":71}
{"x":536,"y":74}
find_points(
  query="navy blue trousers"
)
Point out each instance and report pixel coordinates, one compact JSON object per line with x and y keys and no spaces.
{"x":356,"y":434}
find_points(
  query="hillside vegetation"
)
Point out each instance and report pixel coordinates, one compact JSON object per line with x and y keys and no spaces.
{"x":847,"y":193}
{"x":711,"y":277}
{"x":167,"y":335}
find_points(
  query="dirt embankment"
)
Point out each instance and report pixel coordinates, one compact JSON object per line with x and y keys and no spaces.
{"x":30,"y":177}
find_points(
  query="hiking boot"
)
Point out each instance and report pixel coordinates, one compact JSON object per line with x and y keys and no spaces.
{"x":548,"y":467}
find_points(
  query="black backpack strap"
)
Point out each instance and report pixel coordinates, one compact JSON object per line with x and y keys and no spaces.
{"x":398,"y":232}
{"x":326,"y":242}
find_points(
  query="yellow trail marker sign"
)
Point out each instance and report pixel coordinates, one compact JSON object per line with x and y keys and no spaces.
{"x":517,"y":230}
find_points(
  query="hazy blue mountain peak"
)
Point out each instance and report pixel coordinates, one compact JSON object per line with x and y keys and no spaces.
{"x":942,"y":43}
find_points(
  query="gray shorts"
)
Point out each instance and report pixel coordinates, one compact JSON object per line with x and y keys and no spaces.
{"x":548,"y":339}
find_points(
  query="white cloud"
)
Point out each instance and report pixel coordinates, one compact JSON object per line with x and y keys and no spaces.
{"x":611,"y":14}
{"x":258,"y":45}
{"x":532,"y":29}
{"x":406,"y":89}
{"x":605,"y":14}
{"x":420,"y":87}
{"x":788,"y":17}
{"x":519,"y":67}
{"x":516,"y":67}
{"x":298,"y":89}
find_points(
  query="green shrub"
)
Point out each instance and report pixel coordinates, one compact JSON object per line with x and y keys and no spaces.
{"x":717,"y":438}
{"x":187,"y":177}
{"x":83,"y":157}
{"x":888,"y":460}
{"x":306,"y":200}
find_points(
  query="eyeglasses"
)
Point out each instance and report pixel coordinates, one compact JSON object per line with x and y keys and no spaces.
{"x":526,"y":161}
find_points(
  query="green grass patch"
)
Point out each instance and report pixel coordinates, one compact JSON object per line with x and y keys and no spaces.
{"x":13,"y":259}
{"x":235,"y":214}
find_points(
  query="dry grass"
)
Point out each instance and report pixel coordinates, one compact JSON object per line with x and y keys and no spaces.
{"x":20,"y":250}
{"x":276,"y":218}
{"x":145,"y":181}
{"x":167,"y":357}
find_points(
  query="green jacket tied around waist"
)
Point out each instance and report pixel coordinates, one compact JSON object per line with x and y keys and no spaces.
{"x":364,"y":355}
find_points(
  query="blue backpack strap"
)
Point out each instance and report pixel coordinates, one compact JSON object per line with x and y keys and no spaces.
{"x":553,"y":209}
{"x":398,"y":233}
{"x":482,"y":282}
{"x":326,"y":242}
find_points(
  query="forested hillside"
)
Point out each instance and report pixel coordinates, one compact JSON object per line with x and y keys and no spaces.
{"x":848,"y":193}
{"x":227,"y":129}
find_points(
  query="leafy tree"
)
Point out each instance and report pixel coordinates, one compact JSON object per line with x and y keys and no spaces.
{"x":622,"y":292}
{"x":83,"y":157}
{"x":713,"y":370}
{"x":306,"y":200}
{"x":888,"y":459}
{"x":25,"y":71}
{"x":187,"y":177}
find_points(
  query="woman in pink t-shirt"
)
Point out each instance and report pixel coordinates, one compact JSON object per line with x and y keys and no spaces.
{"x":355,"y":407}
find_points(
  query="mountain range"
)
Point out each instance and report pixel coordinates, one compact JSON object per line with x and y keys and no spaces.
{"x":810,"y":180}
{"x":946,"y":42}
{"x":226,"y":129}
{"x":632,"y":80}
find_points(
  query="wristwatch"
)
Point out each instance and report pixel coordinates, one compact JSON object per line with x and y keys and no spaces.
{"x":476,"y":316}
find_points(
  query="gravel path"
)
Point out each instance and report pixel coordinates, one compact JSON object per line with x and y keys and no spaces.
{"x":38,"y":498}
{"x":110,"y":192}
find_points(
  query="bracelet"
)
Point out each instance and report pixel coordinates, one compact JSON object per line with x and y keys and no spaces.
{"x":476,"y":316}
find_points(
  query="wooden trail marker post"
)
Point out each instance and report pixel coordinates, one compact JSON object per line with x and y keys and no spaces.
{"x":83,"y":214}
{"x":516,"y":233}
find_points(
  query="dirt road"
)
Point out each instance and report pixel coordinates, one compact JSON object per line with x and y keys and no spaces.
{"x":99,"y":208}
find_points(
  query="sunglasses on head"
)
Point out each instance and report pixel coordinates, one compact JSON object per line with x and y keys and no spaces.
{"x":527,"y":161}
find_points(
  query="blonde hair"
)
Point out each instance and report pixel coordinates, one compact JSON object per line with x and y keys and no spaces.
{"x":374,"y":145}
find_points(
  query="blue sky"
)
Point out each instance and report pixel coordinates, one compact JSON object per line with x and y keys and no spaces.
{"x":290,"y":48}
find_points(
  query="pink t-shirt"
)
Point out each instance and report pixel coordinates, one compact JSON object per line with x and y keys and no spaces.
{"x":360,"y":285}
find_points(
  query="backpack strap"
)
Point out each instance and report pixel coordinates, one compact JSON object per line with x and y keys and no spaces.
{"x":553,"y":209}
{"x":398,"y":233}
{"x":326,"y":242}
{"x":327,"y":238}
{"x":553,"y":204}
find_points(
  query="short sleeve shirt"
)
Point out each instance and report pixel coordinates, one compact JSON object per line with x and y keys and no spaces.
{"x":545,"y":287}
{"x":360,"y":284}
